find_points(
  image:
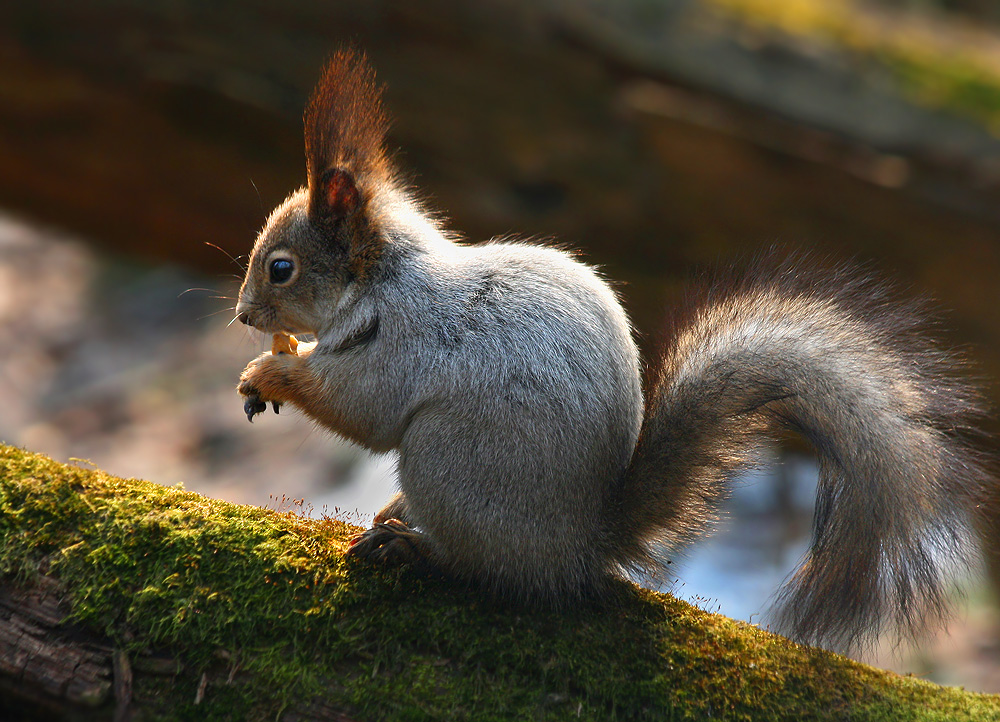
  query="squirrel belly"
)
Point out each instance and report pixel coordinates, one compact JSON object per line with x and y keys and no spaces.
{"x":506,"y":376}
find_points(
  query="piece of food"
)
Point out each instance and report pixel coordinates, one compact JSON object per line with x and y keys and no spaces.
{"x":284,"y":343}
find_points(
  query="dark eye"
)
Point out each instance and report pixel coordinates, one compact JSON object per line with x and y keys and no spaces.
{"x":281,"y":270}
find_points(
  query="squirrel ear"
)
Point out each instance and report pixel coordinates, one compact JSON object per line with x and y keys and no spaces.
{"x":344,"y":137}
{"x":337,"y":196}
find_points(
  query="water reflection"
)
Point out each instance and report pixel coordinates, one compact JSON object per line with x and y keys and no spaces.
{"x":761,"y":536}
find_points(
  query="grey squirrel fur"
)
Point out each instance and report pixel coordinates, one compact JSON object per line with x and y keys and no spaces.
{"x":506,"y":376}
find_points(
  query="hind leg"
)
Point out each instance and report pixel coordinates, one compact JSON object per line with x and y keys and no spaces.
{"x":395,"y":509}
{"x":391,"y":542}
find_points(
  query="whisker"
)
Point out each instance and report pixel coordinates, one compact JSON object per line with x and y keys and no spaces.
{"x":260,"y":201}
{"x":215,"y":313}
{"x":252,"y":337}
{"x":227,"y":254}
{"x":206,"y":290}
{"x":309,"y":434}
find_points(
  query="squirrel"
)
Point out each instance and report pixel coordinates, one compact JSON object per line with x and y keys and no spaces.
{"x":531,"y":460}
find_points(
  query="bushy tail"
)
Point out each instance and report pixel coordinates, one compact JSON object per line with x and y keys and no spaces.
{"x":837,"y":360}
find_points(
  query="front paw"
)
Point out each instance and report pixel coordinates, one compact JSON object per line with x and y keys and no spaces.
{"x":264,"y":381}
{"x":253,"y":405}
{"x":249,"y":377}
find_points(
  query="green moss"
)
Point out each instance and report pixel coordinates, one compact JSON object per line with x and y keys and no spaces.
{"x":948,"y":67}
{"x":221,"y":586}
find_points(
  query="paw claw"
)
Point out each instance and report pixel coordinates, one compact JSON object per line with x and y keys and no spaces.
{"x":252,"y":405}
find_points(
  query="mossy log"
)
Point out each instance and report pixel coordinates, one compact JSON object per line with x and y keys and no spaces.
{"x":123,"y":599}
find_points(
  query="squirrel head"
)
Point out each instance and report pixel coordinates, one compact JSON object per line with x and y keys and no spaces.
{"x":327,"y":235}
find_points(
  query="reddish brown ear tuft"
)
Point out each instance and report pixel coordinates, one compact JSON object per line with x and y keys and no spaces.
{"x":346,"y":161}
{"x":338,"y":196}
{"x":344,"y":133}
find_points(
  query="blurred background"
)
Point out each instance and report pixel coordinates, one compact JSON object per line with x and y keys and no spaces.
{"x":142,"y":145}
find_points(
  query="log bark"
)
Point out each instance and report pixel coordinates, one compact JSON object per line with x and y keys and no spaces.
{"x":51,"y":666}
{"x":53,"y":669}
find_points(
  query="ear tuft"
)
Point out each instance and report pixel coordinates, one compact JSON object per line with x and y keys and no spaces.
{"x":345,"y":130}
{"x":336,"y":196}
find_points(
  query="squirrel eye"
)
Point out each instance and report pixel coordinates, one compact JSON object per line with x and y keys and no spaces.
{"x":281,"y":270}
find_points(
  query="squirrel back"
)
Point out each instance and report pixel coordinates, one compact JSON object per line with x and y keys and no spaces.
{"x":506,"y":376}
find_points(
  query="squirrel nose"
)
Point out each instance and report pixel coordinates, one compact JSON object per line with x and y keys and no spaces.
{"x":244,"y":317}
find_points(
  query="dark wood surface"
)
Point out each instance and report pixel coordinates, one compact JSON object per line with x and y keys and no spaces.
{"x":52,"y":669}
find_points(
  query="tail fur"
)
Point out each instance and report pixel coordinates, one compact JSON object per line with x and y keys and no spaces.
{"x":837,"y":360}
